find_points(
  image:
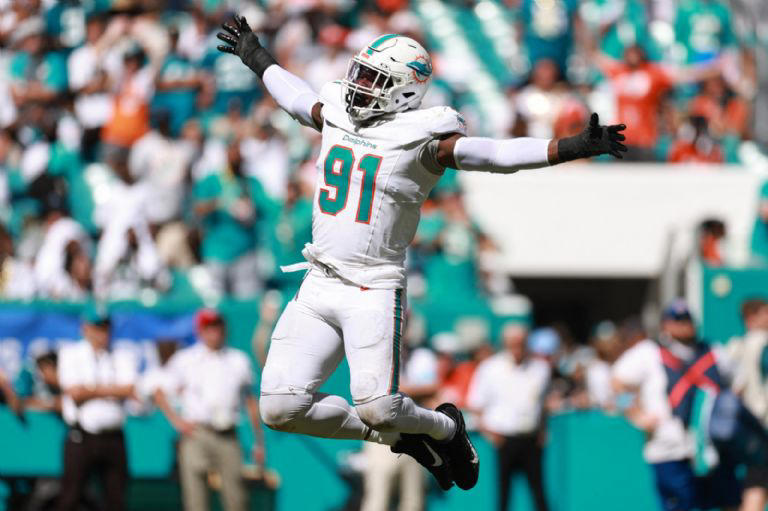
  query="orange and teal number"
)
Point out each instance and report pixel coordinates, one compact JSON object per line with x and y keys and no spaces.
{"x":337,"y":170}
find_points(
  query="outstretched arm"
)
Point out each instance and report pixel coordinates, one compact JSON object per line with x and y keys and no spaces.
{"x":292,"y":93}
{"x":510,"y":155}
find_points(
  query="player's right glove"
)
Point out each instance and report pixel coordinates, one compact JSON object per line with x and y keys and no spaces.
{"x":593,"y":141}
{"x":241,"y":41}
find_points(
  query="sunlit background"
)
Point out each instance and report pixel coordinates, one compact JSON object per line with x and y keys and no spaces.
{"x":142,"y":168}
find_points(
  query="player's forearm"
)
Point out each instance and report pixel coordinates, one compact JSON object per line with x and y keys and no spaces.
{"x":292,"y":93}
{"x":501,"y":156}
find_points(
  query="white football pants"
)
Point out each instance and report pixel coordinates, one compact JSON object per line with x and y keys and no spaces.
{"x":328,"y":319}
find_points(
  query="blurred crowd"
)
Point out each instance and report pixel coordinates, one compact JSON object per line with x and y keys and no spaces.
{"x":508,"y":386}
{"x":702,"y":407}
{"x":138,"y":162}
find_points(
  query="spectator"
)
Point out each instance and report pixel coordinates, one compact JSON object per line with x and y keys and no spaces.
{"x":446,"y":348}
{"x":695,"y":144}
{"x":159,"y":162}
{"x":759,"y":242}
{"x":457,"y":382}
{"x":228,"y":204}
{"x":235,"y":87}
{"x":95,"y":380}
{"x":37,"y":75}
{"x":640,"y":86}
{"x":727,"y":115}
{"x":703,"y":29}
{"x":507,"y":393}
{"x":622,"y":23}
{"x":548,"y":30}
{"x":17,"y":280}
{"x":292,"y":229}
{"x":712,"y":237}
{"x":266,"y":157}
{"x":649,"y":371}
{"x":9,"y":156}
{"x":177,"y":84}
{"x":154,"y":377}
{"x":606,"y":343}
{"x":451,"y":242}
{"x":212,"y":382}
{"x":38,"y":387}
{"x":8,"y":395}
{"x":89,"y":81}
{"x":750,"y":358}
{"x":127,"y":262}
{"x":130,"y":110}
{"x":62,"y":265}
{"x":539,"y":103}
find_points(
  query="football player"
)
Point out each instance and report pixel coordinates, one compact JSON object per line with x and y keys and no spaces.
{"x":380,"y":157}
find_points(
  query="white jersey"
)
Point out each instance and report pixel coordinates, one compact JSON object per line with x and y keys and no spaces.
{"x":371,"y":183}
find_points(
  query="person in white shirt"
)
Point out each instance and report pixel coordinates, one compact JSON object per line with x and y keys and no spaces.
{"x":88,"y":79}
{"x":127,"y":260}
{"x":663,"y":380}
{"x":17,"y":280}
{"x":211,"y":382}
{"x":95,"y":381}
{"x":161,"y":163}
{"x":507,"y":394}
{"x":65,"y":240}
{"x":750,"y":359}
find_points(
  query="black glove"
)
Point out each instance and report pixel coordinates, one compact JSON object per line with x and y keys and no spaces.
{"x":593,"y":141}
{"x":241,"y":41}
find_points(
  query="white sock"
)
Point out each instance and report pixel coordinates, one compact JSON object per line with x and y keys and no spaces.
{"x":411,"y":418}
{"x":444,"y":429}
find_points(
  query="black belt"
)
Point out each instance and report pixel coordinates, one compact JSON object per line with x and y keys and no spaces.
{"x":218,"y":431}
{"x":105,"y":432}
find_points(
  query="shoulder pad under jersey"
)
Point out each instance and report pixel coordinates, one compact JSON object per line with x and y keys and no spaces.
{"x":441,"y":120}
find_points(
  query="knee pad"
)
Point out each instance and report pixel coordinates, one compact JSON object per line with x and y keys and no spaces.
{"x":380,"y":414}
{"x":281,"y":411}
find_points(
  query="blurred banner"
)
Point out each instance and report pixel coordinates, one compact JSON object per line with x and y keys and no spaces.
{"x":27,"y":330}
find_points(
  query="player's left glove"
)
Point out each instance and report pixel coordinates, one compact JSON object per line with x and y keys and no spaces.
{"x":593,"y":141}
{"x":241,"y":41}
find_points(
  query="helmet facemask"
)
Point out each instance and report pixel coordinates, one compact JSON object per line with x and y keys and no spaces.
{"x":368,"y":89}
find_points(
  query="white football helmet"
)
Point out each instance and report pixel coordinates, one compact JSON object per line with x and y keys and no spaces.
{"x":391,"y":74}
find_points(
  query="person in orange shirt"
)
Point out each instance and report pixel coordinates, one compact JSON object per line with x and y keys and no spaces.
{"x":712,"y":234}
{"x":695,"y":145}
{"x":130,"y":116}
{"x":640,"y":87}
{"x":725,"y":112}
{"x":460,"y":376}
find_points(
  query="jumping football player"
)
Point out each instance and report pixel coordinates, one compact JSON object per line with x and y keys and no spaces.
{"x":380,"y":157}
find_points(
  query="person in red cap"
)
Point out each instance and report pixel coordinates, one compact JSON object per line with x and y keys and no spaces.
{"x":211,"y":382}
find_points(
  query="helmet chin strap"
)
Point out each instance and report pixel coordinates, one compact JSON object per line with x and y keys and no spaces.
{"x":349,"y":108}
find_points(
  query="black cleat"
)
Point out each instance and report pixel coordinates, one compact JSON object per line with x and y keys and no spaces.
{"x":429,"y":453}
{"x":464,"y":463}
